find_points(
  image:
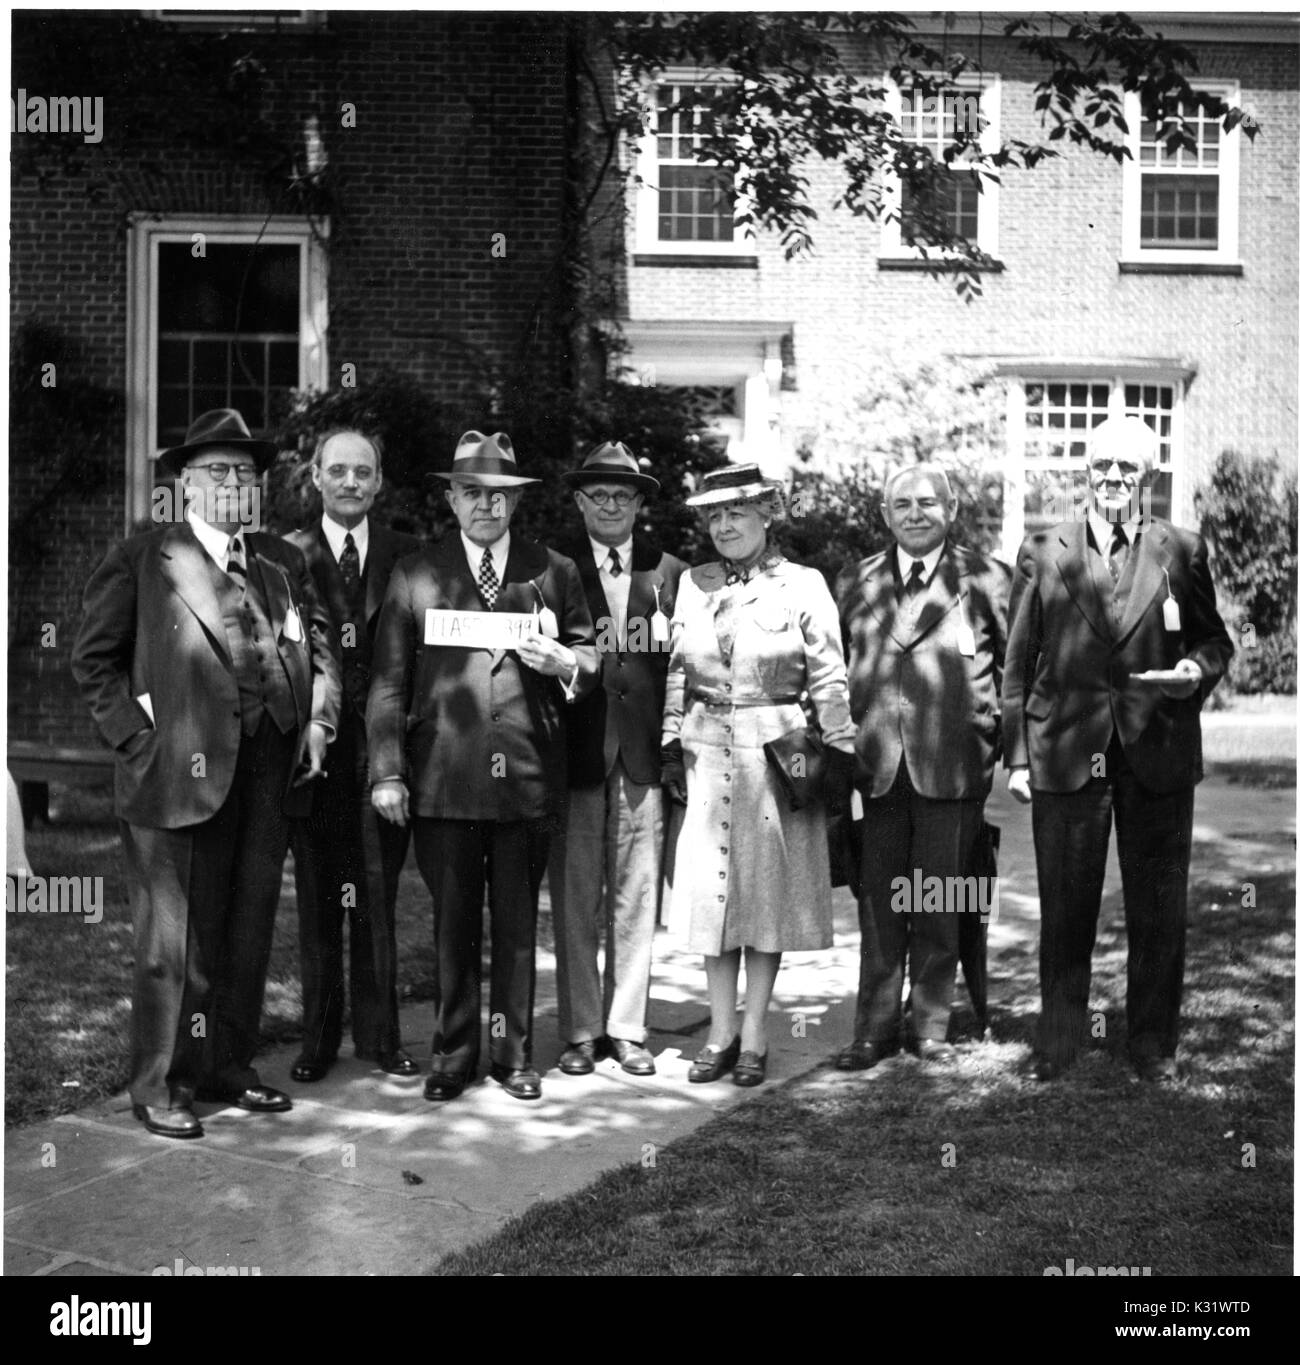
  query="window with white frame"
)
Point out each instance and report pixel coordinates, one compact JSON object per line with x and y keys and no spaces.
{"x":962,"y":196}
{"x":223,"y":313}
{"x":685,"y":205}
{"x":1181,"y":205}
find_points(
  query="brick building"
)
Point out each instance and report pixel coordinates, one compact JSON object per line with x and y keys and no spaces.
{"x":185,"y":272}
{"x":1166,"y":288}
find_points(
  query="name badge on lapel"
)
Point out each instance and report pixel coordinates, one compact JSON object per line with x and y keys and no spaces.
{"x":1173,"y":617}
{"x":965,"y":635}
{"x":658,"y":621}
{"x":545,"y":617}
{"x":293,"y":626}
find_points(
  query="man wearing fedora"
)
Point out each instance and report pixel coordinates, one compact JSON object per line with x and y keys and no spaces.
{"x":347,"y":861}
{"x":467,"y":743}
{"x":210,"y":667}
{"x":607,"y":860}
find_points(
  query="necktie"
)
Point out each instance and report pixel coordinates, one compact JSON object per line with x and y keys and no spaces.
{"x":235,"y":565}
{"x":487,"y":580}
{"x":916,"y":581}
{"x":614,"y":565}
{"x":350,"y":568}
{"x":1118,"y":556}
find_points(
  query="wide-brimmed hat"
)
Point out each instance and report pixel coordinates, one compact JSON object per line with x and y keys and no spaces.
{"x":488,"y":461}
{"x":219,"y":427}
{"x":611,"y":462}
{"x":737,"y":483}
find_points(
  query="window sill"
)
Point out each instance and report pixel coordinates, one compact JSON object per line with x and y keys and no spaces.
{"x":1181,"y":268}
{"x":697,"y":260}
{"x":934,"y":263}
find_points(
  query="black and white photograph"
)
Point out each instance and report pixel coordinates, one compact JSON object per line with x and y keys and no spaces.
{"x":653,"y":644}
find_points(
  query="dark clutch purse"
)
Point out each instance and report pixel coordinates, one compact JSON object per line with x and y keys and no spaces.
{"x":798,"y":760}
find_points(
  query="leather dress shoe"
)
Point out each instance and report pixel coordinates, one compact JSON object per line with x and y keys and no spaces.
{"x":1157,"y":1070}
{"x":306,"y":1070}
{"x":632,"y":1057}
{"x":523,"y":1083}
{"x":862,"y":1055}
{"x":935,"y":1051}
{"x":443,"y":1086}
{"x":712,"y":1063}
{"x":259,"y":1099}
{"x":398,"y":1063}
{"x":750,"y":1069}
{"x":579,"y":1059}
{"x":173,"y":1123}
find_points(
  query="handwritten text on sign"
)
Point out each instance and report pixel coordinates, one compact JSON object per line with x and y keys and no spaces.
{"x":478,"y":629}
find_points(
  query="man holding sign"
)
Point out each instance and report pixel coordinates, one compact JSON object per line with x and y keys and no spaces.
{"x":482,"y":641}
{"x":1115,"y":643}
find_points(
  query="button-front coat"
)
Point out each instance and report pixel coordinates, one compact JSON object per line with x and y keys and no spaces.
{"x":752,"y":872}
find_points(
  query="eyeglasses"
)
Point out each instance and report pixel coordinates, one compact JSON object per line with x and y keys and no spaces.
{"x":603,"y":499}
{"x":1126,"y":470}
{"x":218,"y":473}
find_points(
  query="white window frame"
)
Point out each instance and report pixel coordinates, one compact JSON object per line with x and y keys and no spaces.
{"x":1227,"y":252}
{"x":989,"y":88}
{"x":235,"y":21}
{"x":646,"y":204}
{"x":145,"y":235}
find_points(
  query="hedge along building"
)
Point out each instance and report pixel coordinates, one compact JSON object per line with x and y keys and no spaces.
{"x":1164,"y":288}
{"x":272,"y":202}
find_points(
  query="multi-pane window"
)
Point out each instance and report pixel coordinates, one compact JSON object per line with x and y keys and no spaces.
{"x":695,"y":199}
{"x":932,"y":122}
{"x":1060,"y":417}
{"x":1180,"y":188}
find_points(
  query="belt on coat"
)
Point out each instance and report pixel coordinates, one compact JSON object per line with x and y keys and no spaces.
{"x":711,"y":698}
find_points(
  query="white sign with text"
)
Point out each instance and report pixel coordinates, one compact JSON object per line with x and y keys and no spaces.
{"x":478,"y":629}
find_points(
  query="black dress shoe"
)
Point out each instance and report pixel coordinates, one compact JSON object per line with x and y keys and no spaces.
{"x":750,"y":1069}
{"x":862,"y":1055}
{"x":399,"y":1063}
{"x":632,"y":1057}
{"x":521,"y":1082}
{"x":173,"y":1123}
{"x":579,"y":1059}
{"x":1157,"y":1070}
{"x":259,"y":1099}
{"x":712,"y":1063}
{"x":306,"y":1070}
{"x":935,"y":1051}
{"x":442,"y":1085}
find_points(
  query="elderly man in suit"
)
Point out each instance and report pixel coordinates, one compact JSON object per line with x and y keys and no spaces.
{"x":347,"y":861}
{"x":607,"y":861}
{"x":466,"y":722}
{"x":924,"y":627}
{"x":1115,"y":643}
{"x":210,"y":667}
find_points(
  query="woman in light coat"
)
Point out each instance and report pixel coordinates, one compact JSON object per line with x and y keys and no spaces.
{"x":752,"y":635}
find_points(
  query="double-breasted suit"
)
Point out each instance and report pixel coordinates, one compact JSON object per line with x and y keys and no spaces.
{"x":925,"y":671}
{"x":347,"y":861}
{"x":479,"y":739}
{"x":1100,"y":744}
{"x":203,"y":693}
{"x":607,"y":858}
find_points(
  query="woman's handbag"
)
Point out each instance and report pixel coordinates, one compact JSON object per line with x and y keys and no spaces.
{"x":798,"y":759}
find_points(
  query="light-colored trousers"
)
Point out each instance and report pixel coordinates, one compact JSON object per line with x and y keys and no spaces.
{"x":605,"y":869}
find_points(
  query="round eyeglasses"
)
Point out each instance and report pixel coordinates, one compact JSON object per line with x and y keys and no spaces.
{"x":603,"y":499}
{"x":219,"y":473}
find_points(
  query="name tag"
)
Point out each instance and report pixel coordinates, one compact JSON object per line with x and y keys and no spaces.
{"x":547,"y":623}
{"x":478,"y":629}
{"x":659,"y":628}
{"x":293,"y":626}
{"x":146,"y":701}
{"x":965,"y":638}
{"x":1173,"y":617}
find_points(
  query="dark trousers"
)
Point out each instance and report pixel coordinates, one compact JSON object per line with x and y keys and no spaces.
{"x":904,"y":832}
{"x":203,"y":901}
{"x":1154,"y":840}
{"x":458,"y":859}
{"x":347,"y":864}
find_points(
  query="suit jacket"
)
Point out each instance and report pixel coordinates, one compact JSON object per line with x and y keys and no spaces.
{"x":624,"y":715}
{"x":912,"y":692}
{"x":475,"y":733}
{"x":1069,"y":684}
{"x":385,"y":548}
{"x":152,"y":625}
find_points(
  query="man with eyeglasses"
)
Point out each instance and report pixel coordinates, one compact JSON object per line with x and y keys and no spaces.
{"x":210,"y":667}
{"x":607,"y":863}
{"x":1115,"y":642}
{"x":347,"y":861}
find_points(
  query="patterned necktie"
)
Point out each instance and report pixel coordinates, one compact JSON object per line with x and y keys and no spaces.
{"x":613,"y":565}
{"x":1118,"y":556}
{"x":350,"y":568}
{"x":488,"y":582}
{"x":235,"y":565}
{"x":916,"y":582}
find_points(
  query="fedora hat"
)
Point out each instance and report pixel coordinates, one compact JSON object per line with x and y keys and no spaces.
{"x":488,"y":461}
{"x":736,"y":483}
{"x":611,"y":462}
{"x":219,"y":427}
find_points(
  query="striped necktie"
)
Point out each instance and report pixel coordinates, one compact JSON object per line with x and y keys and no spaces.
{"x":1118,"y":556}
{"x":235,"y":565}
{"x":488,"y":583}
{"x":613,"y":565}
